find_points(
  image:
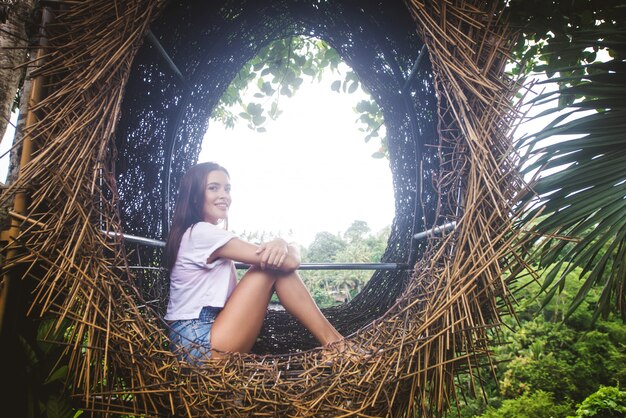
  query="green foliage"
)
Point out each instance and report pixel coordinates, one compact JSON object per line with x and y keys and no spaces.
{"x":539,"y":404}
{"x":607,"y":402}
{"x":357,"y":231}
{"x":553,"y":33}
{"x":322,"y":296}
{"x":324,"y":248}
{"x":356,"y":245}
{"x":372,"y":123}
{"x":526,"y":374}
{"x":45,"y":374}
{"x":534,"y":301}
{"x":544,"y":346}
{"x":548,"y":360}
{"x":278,"y":70}
{"x":584,"y":199}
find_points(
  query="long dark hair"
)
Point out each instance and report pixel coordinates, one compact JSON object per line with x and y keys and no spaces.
{"x":188,"y":209}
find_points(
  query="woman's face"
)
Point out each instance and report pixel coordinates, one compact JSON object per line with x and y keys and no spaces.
{"x":216,"y":197}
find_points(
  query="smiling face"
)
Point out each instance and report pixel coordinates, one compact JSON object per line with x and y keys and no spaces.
{"x":216,"y":197}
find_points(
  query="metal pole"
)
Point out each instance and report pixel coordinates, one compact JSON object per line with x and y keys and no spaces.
{"x":309,"y":266}
{"x":166,"y":57}
{"x":136,"y":239}
{"x":416,"y":66}
{"x":435,"y":231}
{"x":304,"y":266}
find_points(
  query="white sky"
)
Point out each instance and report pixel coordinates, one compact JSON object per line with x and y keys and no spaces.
{"x":5,"y":146}
{"x":310,"y":172}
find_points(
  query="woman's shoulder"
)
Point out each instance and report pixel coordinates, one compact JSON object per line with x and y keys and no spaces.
{"x":207,"y":228}
{"x":207,"y":225}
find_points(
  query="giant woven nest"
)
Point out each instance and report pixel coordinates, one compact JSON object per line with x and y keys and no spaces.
{"x":116,"y":128}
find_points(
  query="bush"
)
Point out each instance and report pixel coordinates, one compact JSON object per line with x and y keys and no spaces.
{"x":549,"y":374}
{"x":538,"y":404}
{"x":607,"y":402}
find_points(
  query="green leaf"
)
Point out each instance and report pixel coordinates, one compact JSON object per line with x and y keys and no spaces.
{"x":58,"y":374}
{"x":254,"y":109}
{"x":299,"y":60}
{"x":28,"y":351}
{"x":363,"y":106}
{"x":258,"y":120}
{"x":286,"y":91}
{"x":58,"y":406}
{"x":336,"y":85}
{"x":273,"y":110}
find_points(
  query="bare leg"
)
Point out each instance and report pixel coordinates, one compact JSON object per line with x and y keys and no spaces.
{"x":295,"y":297}
{"x":238,"y":325}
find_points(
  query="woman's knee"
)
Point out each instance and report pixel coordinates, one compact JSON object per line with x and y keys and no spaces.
{"x":267,"y":276}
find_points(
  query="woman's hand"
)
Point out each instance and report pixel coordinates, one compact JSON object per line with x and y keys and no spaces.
{"x":273,"y":253}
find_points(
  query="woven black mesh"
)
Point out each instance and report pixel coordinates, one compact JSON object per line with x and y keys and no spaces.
{"x":165,"y":117}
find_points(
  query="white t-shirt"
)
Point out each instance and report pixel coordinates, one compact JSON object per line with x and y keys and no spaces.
{"x":194,"y":283}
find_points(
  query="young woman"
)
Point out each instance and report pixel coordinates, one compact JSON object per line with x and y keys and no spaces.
{"x":209,"y":313}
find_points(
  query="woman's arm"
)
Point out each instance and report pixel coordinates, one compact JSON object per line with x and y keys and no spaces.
{"x":276,"y":254}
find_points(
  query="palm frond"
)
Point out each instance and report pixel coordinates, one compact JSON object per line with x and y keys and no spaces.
{"x":582,"y":199}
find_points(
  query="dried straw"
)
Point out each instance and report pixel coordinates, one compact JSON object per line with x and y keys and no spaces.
{"x":441,"y":326}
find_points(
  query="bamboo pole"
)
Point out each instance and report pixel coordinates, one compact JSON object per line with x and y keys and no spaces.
{"x":20,"y":203}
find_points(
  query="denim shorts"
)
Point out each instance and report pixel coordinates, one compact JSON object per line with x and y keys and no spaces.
{"x":191,"y":338}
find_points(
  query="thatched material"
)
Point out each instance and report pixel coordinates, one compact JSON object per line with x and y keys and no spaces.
{"x":165,"y":118}
{"x":438,"y":326}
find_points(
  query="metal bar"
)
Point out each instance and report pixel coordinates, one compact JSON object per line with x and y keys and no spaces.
{"x":434,"y":231}
{"x":418,"y":61}
{"x":166,"y":56}
{"x":136,"y":239}
{"x":161,"y":244}
{"x":308,"y":266}
{"x":342,"y":266}
{"x":304,"y":266}
{"x":314,"y":266}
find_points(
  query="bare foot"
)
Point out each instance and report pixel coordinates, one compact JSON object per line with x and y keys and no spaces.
{"x":347,"y":350}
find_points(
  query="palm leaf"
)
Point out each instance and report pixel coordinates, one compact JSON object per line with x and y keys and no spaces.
{"x":585,"y":201}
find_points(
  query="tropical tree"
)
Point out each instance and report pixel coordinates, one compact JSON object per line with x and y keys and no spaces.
{"x":546,"y":365}
{"x":325,"y":247}
{"x":356,"y":245}
{"x":581,"y":196}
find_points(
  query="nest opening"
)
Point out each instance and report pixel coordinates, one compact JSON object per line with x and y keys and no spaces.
{"x":165,"y":116}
